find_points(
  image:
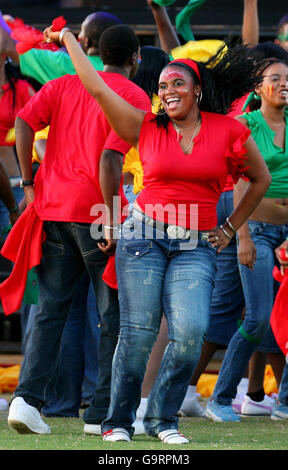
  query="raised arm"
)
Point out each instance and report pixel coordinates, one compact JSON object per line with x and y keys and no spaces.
{"x":250,"y":25}
{"x":167,"y":34}
{"x":124,"y":118}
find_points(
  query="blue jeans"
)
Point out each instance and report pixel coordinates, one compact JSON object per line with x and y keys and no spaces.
{"x":156,"y":276}
{"x":259,"y":291}
{"x":283,"y":389}
{"x":228,"y":299}
{"x":75,"y":378}
{"x":68,"y":251}
{"x":4,"y":214}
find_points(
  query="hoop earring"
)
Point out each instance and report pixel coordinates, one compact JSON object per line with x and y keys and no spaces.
{"x":161,"y":111}
{"x":199,"y":98}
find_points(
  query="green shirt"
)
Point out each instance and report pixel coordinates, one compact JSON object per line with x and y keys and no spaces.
{"x":275,"y":157}
{"x":45,"y":65}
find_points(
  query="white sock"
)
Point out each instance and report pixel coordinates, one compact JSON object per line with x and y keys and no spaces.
{"x":191,"y":392}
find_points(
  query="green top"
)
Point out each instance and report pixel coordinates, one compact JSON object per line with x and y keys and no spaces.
{"x":45,"y":65}
{"x":275,"y":157}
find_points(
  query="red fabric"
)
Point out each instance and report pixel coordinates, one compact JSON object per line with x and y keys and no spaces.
{"x":58,"y":23}
{"x":190,"y":63}
{"x":7,"y":112}
{"x":67,"y":182}
{"x":279,"y":315}
{"x":175,"y":179}
{"x":24,"y":248}
{"x":28,"y":37}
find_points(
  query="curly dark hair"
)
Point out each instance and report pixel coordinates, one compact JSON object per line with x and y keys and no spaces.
{"x":228,"y":75}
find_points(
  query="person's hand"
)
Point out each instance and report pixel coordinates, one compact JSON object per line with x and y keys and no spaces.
{"x":108,"y":246}
{"x":218,"y":239}
{"x":14,"y":216}
{"x":247,"y":252}
{"x":51,"y":36}
{"x":279,"y":255}
{"x":29,"y":192}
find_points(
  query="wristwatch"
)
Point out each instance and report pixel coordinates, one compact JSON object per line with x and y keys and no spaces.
{"x":24,"y":183}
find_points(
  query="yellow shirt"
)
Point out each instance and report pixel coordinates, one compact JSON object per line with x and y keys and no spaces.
{"x":43,"y":134}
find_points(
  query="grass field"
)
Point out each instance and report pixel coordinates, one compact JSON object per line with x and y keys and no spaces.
{"x":67,"y":434}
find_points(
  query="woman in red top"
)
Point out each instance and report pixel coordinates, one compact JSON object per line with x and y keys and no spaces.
{"x":166,"y":258}
{"x":14,"y":94}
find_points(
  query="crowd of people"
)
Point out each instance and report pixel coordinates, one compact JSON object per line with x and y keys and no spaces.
{"x":153,"y":219}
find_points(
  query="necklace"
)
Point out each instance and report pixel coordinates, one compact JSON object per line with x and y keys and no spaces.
{"x":188,"y":147}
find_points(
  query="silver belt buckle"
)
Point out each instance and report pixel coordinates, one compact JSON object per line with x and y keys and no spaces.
{"x":174,"y":231}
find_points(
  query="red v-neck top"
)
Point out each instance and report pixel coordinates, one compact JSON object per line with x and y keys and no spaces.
{"x":176,"y":180}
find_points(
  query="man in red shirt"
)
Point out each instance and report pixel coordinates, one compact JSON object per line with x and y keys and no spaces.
{"x":66,"y":188}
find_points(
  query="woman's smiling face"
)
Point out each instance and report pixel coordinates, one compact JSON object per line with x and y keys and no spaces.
{"x":274,"y":88}
{"x":177,"y":91}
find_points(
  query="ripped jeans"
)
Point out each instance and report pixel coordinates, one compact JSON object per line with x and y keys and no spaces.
{"x":156,"y":276}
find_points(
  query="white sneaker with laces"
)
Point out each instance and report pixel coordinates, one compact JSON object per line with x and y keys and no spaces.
{"x":116,"y":434}
{"x":25,"y":418}
{"x":172,"y":436}
{"x":257,"y":408}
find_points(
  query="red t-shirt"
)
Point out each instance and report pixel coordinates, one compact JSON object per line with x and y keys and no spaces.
{"x":176,"y":179}
{"x":8,"y":113}
{"x":67,"y":182}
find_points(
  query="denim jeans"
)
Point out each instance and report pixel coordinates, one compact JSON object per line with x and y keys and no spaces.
{"x":283,"y":389}
{"x":4,"y":214}
{"x":68,"y":251}
{"x":228,"y":299}
{"x":155,"y":276}
{"x":75,"y":378}
{"x":259,"y":291}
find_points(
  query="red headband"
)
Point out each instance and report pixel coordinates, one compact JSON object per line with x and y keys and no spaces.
{"x":189,"y":63}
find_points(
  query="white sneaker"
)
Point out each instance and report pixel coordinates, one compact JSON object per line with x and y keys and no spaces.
{"x":92,"y":429}
{"x":138,"y":426}
{"x":191,"y":407}
{"x":4,"y":406}
{"x":116,"y":434}
{"x":257,"y":408}
{"x":25,"y":418}
{"x":237,"y":402}
{"x":95,"y":429}
{"x":172,"y":436}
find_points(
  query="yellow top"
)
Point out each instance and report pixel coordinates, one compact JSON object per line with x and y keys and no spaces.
{"x":43,"y":134}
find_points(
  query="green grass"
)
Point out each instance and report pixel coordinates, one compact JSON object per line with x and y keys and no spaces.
{"x":67,"y":434}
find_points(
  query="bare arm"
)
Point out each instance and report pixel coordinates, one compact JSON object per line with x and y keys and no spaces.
{"x":110,"y":176}
{"x":8,"y":45}
{"x":250,"y":25}
{"x":167,"y":34}
{"x":125,"y":119}
{"x":24,"y":145}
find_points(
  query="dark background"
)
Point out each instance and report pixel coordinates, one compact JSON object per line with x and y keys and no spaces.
{"x":214,"y":19}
